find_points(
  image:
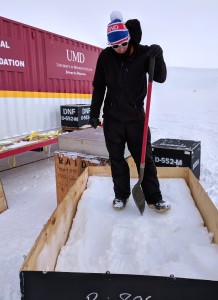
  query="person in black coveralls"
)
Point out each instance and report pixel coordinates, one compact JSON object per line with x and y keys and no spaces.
{"x":120,"y":81}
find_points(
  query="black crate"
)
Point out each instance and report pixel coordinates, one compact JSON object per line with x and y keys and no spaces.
{"x":75,"y":115}
{"x":177,"y":153}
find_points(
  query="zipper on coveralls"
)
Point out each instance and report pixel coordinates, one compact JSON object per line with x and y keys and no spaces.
{"x":122,"y":82}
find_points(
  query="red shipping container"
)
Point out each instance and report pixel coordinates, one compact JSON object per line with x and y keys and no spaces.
{"x":39,"y":71}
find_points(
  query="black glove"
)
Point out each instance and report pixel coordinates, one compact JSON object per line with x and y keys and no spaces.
{"x":94,"y":122}
{"x":135,"y":31}
{"x":155,"y":51}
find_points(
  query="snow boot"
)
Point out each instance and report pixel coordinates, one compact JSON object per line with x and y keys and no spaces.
{"x":160,"y":206}
{"x":119,"y":203}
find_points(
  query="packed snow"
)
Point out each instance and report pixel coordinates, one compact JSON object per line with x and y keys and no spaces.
{"x":122,"y":242}
{"x":185,"y":107}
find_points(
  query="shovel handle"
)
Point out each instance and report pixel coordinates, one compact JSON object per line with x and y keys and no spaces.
{"x":147,"y":112}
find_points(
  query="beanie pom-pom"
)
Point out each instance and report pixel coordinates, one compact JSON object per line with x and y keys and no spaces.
{"x":117,"y":32}
{"x":116,"y":14}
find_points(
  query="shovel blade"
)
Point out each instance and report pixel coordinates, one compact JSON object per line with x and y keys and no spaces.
{"x":139,"y":197}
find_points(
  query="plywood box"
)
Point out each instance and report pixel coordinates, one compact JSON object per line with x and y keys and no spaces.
{"x":69,"y":166}
{"x":39,"y":280}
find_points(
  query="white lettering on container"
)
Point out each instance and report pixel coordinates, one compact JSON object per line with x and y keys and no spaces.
{"x":85,"y":111}
{"x":195,"y":164}
{"x":168,"y":161}
{"x":12,"y":62}
{"x":69,"y":111}
{"x":77,"y":57}
{"x":4,"y":44}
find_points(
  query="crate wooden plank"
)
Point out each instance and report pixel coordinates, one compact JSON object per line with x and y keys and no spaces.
{"x":3,"y":202}
{"x":44,"y":253}
{"x":206,"y":207}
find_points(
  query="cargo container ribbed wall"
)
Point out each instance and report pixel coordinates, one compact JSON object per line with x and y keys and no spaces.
{"x":39,"y":72}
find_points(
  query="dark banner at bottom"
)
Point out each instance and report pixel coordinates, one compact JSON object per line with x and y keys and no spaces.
{"x":37,"y":285}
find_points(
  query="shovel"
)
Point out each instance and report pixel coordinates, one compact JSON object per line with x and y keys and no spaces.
{"x":137,"y":192}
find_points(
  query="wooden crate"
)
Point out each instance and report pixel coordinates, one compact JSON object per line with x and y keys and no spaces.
{"x":69,"y":166}
{"x":38,"y":275}
{"x":3,"y":202}
{"x":67,"y":208}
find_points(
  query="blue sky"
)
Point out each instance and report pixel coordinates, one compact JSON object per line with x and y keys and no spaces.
{"x":185,"y":29}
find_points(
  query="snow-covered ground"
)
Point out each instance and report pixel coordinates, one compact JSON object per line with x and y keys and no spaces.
{"x":185,"y":107}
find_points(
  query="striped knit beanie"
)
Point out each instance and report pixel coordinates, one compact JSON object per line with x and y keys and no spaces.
{"x":117,"y":32}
